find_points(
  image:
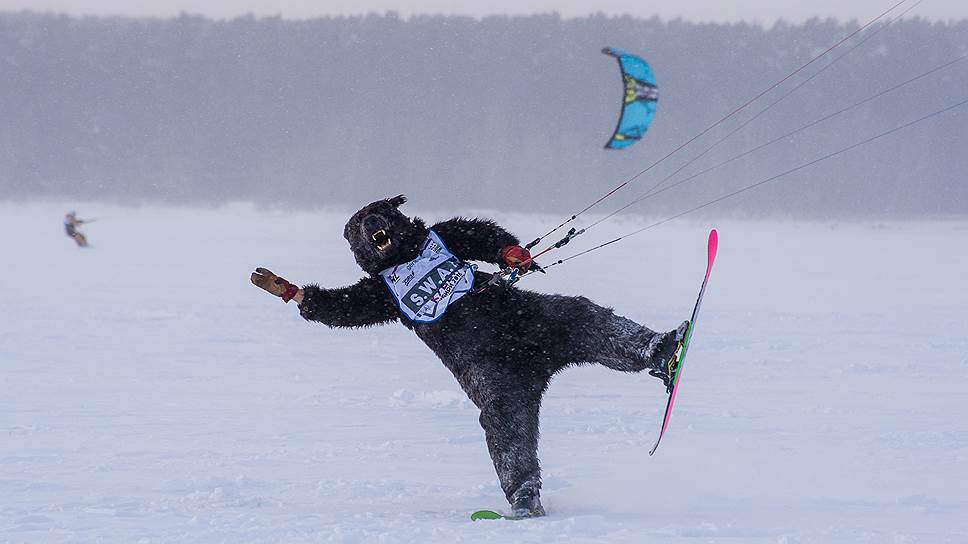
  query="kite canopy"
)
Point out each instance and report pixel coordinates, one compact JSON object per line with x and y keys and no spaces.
{"x":641,"y":96}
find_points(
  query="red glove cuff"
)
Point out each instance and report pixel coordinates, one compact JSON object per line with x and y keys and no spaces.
{"x":290,"y":291}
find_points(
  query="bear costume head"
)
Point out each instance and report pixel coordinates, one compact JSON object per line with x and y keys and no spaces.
{"x":380,"y":236}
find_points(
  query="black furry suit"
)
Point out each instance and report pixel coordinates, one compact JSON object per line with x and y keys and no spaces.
{"x":503,"y":345}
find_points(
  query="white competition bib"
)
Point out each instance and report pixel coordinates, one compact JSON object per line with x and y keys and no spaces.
{"x":425,"y":286}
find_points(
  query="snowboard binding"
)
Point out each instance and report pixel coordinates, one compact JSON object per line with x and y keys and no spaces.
{"x":670,"y":368}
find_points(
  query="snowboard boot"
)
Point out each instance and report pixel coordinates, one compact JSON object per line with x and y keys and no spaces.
{"x":668,"y":355}
{"x":527,"y":507}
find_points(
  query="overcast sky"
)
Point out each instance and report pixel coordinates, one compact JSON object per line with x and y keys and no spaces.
{"x":766,"y":11}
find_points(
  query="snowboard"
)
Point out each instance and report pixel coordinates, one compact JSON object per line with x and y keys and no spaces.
{"x":680,"y":355}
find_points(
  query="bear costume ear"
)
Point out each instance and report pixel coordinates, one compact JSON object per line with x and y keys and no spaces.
{"x":397,"y":201}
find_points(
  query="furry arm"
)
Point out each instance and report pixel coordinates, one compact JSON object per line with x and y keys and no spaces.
{"x":475,"y":239}
{"x":366,"y":303}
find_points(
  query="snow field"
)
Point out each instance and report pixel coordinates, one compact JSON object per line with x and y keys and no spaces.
{"x":149,"y":393}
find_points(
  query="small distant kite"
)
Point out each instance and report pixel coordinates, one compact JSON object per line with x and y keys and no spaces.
{"x":641,"y":96}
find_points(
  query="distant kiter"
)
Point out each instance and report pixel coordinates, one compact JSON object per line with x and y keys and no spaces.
{"x":71,"y":222}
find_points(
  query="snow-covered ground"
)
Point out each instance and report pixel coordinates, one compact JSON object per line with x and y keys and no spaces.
{"x":149,"y":393}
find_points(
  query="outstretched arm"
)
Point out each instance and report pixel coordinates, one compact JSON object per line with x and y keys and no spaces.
{"x":366,"y":303}
{"x":475,"y":239}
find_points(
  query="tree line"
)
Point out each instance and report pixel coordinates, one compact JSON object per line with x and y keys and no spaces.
{"x":500,"y":112}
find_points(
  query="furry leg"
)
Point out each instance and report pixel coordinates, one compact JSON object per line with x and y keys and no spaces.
{"x":630,"y":347}
{"x":510,"y":424}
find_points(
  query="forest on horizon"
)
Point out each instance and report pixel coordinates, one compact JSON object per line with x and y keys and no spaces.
{"x":507,"y":112}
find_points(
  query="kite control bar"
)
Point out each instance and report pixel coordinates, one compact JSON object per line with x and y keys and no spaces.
{"x":572,"y":234}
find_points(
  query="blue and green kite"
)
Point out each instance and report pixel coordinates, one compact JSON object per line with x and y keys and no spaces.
{"x":638,"y":105}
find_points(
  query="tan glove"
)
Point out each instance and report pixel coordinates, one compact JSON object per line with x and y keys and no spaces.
{"x":279,"y":287}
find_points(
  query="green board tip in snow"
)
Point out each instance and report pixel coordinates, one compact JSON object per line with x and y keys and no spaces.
{"x":486,"y":514}
{"x":491,"y":514}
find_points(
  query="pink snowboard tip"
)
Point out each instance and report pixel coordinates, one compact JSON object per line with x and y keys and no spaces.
{"x":711,"y":249}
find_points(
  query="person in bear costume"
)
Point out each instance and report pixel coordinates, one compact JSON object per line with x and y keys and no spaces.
{"x":502,"y":343}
